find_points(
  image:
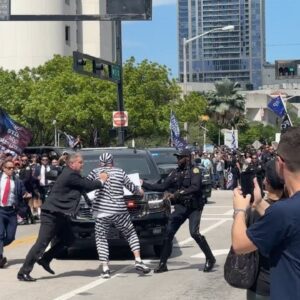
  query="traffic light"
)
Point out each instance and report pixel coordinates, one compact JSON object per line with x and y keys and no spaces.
{"x":96,"y":67}
{"x":287,"y":68}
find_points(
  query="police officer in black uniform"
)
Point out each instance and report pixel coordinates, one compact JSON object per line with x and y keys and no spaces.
{"x":184,"y":184}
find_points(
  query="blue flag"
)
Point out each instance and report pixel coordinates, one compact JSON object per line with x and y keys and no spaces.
{"x":277,"y":106}
{"x":13,"y":136}
{"x":176,"y":140}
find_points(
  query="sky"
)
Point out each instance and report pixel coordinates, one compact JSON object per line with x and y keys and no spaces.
{"x":156,"y":40}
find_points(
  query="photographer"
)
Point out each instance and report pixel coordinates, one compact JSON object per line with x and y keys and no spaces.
{"x":277,"y":234}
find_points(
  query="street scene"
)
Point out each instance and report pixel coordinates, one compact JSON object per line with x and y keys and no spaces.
{"x":149,"y":149}
{"x":78,"y":276}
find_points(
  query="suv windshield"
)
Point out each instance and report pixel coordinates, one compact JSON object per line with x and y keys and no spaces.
{"x":164,"y":156}
{"x":129,"y":162}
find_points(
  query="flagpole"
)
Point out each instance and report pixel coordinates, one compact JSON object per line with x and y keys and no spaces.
{"x":284,"y":104}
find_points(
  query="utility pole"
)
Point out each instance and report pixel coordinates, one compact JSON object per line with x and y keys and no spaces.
{"x":120,"y":100}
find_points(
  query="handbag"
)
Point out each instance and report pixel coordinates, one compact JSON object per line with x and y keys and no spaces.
{"x":241,"y":270}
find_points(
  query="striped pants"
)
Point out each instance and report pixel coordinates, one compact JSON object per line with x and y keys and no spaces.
{"x":123,"y":223}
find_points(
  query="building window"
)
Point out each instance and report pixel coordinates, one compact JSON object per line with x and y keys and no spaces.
{"x":67,"y":2}
{"x":67,"y":35}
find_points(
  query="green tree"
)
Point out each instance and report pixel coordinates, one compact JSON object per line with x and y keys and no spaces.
{"x":226,"y":106}
{"x":256,"y":131}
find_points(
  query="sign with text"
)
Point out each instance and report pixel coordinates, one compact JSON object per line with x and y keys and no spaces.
{"x":120,"y":119}
{"x":4,"y":10}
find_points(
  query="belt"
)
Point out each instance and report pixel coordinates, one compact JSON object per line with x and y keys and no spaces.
{"x":7,"y":207}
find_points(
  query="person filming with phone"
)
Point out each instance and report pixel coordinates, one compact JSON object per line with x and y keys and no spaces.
{"x":277,"y":234}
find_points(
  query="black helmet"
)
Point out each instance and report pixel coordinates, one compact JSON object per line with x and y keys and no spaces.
{"x":183,"y":152}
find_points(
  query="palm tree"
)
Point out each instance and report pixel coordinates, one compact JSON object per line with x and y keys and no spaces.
{"x":225,"y":106}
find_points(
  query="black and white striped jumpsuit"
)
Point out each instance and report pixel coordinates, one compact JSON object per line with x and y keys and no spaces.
{"x":109,"y":208}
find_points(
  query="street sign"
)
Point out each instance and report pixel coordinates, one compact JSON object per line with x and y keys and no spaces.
{"x":115,"y":72}
{"x":120,"y":119}
{"x":4,"y":10}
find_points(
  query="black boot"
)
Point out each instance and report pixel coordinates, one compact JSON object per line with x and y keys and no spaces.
{"x":162,"y":267}
{"x":210,"y":259}
{"x":165,"y":253}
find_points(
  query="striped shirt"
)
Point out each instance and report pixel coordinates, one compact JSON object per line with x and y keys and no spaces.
{"x":110,"y":199}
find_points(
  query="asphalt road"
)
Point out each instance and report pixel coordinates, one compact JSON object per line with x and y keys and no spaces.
{"x":78,"y":278}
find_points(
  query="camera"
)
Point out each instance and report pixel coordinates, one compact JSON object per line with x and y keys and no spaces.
{"x":247,"y":184}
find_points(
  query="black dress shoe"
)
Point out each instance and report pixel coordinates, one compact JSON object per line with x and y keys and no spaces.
{"x":46,"y":266}
{"x":161,"y":268}
{"x":3,"y":262}
{"x":25,"y":277}
{"x":209,"y":264}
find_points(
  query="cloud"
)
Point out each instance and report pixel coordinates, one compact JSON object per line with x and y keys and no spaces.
{"x":163,"y":2}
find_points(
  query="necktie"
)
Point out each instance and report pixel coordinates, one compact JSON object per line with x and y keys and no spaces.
{"x":6,"y":192}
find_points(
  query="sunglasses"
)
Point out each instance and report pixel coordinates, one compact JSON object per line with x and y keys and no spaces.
{"x":9,"y":168}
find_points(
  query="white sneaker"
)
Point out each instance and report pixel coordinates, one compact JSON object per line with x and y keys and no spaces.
{"x":141,"y":267}
{"x":105,"y":274}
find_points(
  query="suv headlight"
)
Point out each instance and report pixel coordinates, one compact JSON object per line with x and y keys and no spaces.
{"x":156,"y":204}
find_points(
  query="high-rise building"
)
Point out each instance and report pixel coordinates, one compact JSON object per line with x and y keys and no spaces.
{"x":238,"y":55}
{"x":30,"y":44}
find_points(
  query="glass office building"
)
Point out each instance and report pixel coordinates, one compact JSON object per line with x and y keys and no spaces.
{"x":238,"y":55}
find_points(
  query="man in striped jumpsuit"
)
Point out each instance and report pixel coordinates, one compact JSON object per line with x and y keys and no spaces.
{"x":109,"y":208}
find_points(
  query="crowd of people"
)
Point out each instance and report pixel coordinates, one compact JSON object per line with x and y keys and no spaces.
{"x":31,"y":170}
{"x":226,"y":165}
{"x":266,"y":221}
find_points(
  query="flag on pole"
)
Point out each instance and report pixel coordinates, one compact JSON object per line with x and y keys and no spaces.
{"x":13,"y":136}
{"x":70,"y":140}
{"x":285,"y":123}
{"x":277,"y":106}
{"x":233,"y":140}
{"x":176,"y":140}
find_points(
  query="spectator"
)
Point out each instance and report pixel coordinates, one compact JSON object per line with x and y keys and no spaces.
{"x":274,"y":189}
{"x":277,"y":234}
{"x":12,"y":192}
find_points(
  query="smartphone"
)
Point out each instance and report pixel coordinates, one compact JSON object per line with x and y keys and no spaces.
{"x":247,"y":184}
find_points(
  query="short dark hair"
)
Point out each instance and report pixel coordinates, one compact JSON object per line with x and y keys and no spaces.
{"x":289,"y":148}
{"x":272,"y":177}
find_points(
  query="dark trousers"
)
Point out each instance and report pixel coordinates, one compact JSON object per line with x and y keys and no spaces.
{"x":8,"y":226}
{"x":53,"y":225}
{"x":177,"y":218}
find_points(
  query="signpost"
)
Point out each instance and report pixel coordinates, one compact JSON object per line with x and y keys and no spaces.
{"x":120,"y":119}
{"x":4,"y":10}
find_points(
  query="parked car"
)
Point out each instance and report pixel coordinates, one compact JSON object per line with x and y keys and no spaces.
{"x":149,"y":214}
{"x":166,"y":162}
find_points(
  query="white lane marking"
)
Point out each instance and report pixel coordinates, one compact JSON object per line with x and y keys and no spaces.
{"x":217,"y":252}
{"x":188,"y":240}
{"x":92,"y":285}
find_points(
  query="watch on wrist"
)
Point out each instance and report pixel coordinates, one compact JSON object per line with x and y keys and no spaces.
{"x":237,"y":210}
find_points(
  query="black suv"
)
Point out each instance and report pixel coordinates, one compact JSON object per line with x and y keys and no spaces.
{"x":149,"y":214}
{"x":166,"y":162}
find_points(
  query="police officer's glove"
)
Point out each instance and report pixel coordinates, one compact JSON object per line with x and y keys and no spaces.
{"x":177,"y":198}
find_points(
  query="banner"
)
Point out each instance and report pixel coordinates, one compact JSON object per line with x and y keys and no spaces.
{"x":231,"y":138}
{"x":176,"y":141}
{"x":13,"y":136}
{"x":277,"y":106}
